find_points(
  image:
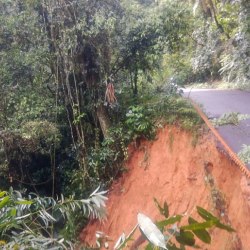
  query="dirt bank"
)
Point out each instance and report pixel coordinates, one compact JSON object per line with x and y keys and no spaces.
{"x":172,"y":169}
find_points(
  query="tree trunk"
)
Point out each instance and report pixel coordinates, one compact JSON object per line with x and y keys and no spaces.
{"x":103,"y":118}
{"x":135,"y":82}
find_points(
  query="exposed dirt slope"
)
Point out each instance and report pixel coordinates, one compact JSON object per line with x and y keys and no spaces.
{"x":173,"y":170}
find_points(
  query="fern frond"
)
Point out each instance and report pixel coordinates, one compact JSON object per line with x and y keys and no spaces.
{"x":93,"y":207}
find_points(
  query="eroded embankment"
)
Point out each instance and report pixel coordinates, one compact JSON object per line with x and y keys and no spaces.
{"x":172,"y":169}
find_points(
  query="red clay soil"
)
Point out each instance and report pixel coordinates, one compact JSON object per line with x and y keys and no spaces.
{"x":172,"y":169}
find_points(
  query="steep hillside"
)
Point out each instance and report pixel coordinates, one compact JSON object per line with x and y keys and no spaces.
{"x":172,"y":169}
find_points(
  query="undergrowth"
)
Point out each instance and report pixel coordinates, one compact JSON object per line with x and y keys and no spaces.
{"x":174,"y":110}
{"x":233,"y":118}
{"x":244,"y":154}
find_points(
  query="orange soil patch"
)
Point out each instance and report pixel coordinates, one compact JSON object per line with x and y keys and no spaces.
{"x":172,"y":169}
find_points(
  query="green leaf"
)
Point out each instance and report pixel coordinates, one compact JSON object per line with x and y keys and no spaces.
{"x":4,"y":201}
{"x":225,"y":227}
{"x":200,"y":226}
{"x":208,"y":216}
{"x":2,"y":194}
{"x":202,"y":234}
{"x":186,"y":238}
{"x":164,"y":211}
{"x":170,"y":221}
{"x":13,"y":212}
{"x":24,"y":202}
{"x":205,"y":214}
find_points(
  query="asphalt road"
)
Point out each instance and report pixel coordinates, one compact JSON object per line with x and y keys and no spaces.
{"x":218,"y":102}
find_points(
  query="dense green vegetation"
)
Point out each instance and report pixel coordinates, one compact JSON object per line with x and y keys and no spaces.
{"x":43,"y":222}
{"x":81,"y":79}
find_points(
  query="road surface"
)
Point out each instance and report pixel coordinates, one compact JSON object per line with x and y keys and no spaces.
{"x":218,"y":102}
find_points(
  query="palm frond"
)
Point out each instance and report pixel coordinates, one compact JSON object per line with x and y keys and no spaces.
{"x":29,"y":223}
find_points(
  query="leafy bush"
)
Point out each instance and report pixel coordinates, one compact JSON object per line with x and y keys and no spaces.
{"x":138,"y":122}
{"x":233,"y":118}
{"x":34,"y":222}
{"x":244,"y":154}
{"x":176,"y":110}
{"x":104,"y":163}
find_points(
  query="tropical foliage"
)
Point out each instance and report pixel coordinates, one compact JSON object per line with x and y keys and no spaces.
{"x":35,"y":222}
{"x":244,"y":153}
{"x":81,"y":79}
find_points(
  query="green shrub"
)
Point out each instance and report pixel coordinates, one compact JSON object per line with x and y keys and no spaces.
{"x":233,"y":118}
{"x":34,"y":222}
{"x":138,"y":122}
{"x":244,"y":154}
